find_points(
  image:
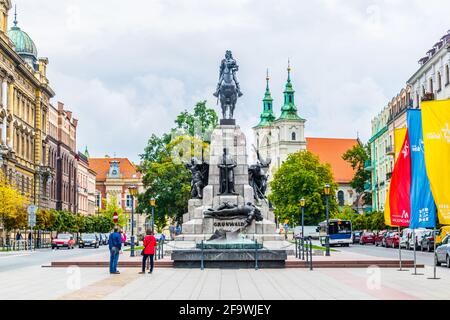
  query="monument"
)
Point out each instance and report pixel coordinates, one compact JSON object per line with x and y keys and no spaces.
{"x":229,"y":209}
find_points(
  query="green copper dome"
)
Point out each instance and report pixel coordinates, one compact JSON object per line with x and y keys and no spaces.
{"x":267,"y":116}
{"x":289,"y":110}
{"x":23,"y":44}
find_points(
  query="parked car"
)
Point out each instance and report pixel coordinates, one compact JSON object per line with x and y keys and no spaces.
{"x":106,"y":238}
{"x":367,"y":237}
{"x":63,"y":240}
{"x":379,"y":237}
{"x":160,"y":236}
{"x":419,"y":235}
{"x":357,"y":236}
{"x":442,"y":254}
{"x":427,"y":242}
{"x":89,"y":240}
{"x":128,"y":240}
{"x":392,"y":239}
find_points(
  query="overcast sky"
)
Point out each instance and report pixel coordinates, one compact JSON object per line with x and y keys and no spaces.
{"x":127,"y":68}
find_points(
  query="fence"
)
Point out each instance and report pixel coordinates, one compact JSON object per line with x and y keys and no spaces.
{"x":39,"y":240}
{"x":304,"y":245}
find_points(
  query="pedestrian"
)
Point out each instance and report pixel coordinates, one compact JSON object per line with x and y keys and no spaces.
{"x":115,"y":247}
{"x":123,"y":236}
{"x":148,"y":251}
{"x":172,"y":232}
{"x":18,"y":236}
{"x":29,"y":239}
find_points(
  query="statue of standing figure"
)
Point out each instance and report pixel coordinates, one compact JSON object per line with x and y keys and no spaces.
{"x":226,"y":167}
{"x":258,"y":176}
{"x":199,"y":177}
{"x":228,"y":88}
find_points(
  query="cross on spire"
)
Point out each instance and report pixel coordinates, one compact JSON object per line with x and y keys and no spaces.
{"x":15,"y":15}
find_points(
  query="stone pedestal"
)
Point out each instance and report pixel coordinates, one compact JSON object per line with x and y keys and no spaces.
{"x":195,"y":226}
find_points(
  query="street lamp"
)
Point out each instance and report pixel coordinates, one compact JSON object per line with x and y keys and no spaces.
{"x":327,"y":190}
{"x":152,"y":204}
{"x":133,"y":192}
{"x":302,"y":205}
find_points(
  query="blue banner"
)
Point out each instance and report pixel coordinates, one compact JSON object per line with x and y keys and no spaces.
{"x":423,"y":208}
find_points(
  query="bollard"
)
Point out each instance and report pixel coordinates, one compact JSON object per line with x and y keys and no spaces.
{"x":310,"y":253}
{"x":256,"y":254}
{"x":296,"y":255}
{"x":201,"y":262}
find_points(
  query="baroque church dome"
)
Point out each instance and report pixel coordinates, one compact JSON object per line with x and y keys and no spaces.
{"x":23,"y":44}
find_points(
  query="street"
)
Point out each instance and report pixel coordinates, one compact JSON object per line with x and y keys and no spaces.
{"x":24,"y":259}
{"x":371,"y":250}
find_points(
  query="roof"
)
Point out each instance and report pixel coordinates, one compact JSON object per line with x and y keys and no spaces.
{"x":101,"y":167}
{"x":330,"y":150}
{"x":23,"y":44}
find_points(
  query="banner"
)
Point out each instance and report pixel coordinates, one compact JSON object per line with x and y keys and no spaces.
{"x":423,"y":208}
{"x":399,"y":190}
{"x":399,"y":138}
{"x":436,"y":134}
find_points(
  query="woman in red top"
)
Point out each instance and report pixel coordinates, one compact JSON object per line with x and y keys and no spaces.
{"x":149,"y":250}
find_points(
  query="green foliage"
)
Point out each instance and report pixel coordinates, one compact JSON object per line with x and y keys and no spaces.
{"x":65,"y":222}
{"x":110,"y":207}
{"x":357,"y":156}
{"x":367,"y":221}
{"x":164,"y":176}
{"x":302,"y":176}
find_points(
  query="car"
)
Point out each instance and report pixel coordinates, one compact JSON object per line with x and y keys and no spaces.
{"x":106,"y":238}
{"x":443,"y":232}
{"x":392,"y":239}
{"x":63,"y":240}
{"x":128,"y":240}
{"x":442,"y":254}
{"x":379,"y":237}
{"x":404,"y":238}
{"x":427,"y":242}
{"x":419,"y":235}
{"x":357,"y":236}
{"x":89,"y":240}
{"x":160,"y":236}
{"x":367,"y":237}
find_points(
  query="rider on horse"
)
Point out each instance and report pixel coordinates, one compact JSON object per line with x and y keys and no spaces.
{"x":230,"y":63}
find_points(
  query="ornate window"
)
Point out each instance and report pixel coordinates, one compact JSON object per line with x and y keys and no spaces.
{"x":439,"y":80}
{"x":447,"y":75}
{"x":341,"y":200}
{"x":294,"y":136}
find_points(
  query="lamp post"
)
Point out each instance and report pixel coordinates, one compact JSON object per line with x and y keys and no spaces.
{"x":152,"y":204}
{"x":302,"y":205}
{"x":133,"y":192}
{"x":327,"y":190}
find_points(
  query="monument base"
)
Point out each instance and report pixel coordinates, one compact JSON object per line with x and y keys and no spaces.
{"x":227,"y":122}
{"x":229,"y":258}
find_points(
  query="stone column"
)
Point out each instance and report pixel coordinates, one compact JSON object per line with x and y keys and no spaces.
{"x":10,"y":137}
{"x":4,"y":103}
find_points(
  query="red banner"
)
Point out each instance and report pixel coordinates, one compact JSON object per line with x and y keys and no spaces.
{"x":399,"y":194}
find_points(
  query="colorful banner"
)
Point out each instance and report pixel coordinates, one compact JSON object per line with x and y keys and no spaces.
{"x":423,"y":209}
{"x":399,"y":190}
{"x":387,"y":210}
{"x":436,"y":134}
{"x":399,"y":139}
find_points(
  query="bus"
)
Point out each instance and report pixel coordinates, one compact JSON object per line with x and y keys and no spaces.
{"x":340,"y":232}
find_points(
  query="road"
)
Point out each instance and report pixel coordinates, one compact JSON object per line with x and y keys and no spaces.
{"x":24,"y":259}
{"x":426,"y":258}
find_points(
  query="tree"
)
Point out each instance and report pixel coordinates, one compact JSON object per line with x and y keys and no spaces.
{"x":302,"y":176}
{"x":65,"y":222}
{"x":13,"y":213}
{"x":110,"y":207}
{"x":164,"y":175}
{"x":357,"y":156}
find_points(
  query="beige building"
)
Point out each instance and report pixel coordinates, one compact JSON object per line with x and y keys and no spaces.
{"x":24,"y":109}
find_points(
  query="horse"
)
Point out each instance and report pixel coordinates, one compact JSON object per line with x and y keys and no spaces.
{"x":228,"y":94}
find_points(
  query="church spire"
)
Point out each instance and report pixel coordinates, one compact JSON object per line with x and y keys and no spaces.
{"x":267,"y":116}
{"x":289,"y":110}
{"x":15,"y":15}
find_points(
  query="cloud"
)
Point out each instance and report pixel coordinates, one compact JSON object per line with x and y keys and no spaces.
{"x":127,"y":68}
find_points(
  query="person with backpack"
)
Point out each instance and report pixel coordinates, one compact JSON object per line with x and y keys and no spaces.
{"x":148,"y":251}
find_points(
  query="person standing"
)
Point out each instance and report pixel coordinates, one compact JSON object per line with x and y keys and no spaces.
{"x":148,"y":251}
{"x":115,"y":247}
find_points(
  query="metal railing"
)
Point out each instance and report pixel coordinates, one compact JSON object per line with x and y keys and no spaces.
{"x":159,"y":253}
{"x":303,"y":250}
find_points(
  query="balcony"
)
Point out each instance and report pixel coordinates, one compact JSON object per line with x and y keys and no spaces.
{"x":390,"y":150}
{"x":368,"y":165}
{"x":367,"y":186}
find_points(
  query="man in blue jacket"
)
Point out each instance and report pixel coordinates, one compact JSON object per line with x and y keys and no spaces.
{"x":115,"y":245}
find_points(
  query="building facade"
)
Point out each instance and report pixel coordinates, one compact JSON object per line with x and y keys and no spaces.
{"x":114,"y":178}
{"x":82,"y":184}
{"x":277,"y":138}
{"x":432,"y":79}
{"x":25,"y":101}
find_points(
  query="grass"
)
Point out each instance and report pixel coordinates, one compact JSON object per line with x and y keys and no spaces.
{"x":128,"y":248}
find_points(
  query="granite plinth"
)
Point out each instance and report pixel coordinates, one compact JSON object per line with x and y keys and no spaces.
{"x":229,"y":258}
{"x":227,"y":122}
{"x":228,"y":245}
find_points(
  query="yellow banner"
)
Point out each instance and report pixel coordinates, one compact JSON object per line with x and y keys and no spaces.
{"x":399,"y":138}
{"x":387,"y":210}
{"x":436,"y":135}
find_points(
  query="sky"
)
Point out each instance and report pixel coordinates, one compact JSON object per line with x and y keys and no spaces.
{"x":127,"y":68}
